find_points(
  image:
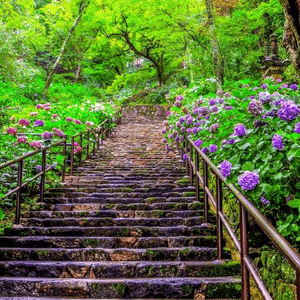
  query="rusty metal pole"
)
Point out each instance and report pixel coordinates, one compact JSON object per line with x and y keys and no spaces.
{"x":64,"y":166}
{"x":244,"y":253}
{"x":72,"y":155}
{"x":43,"y":176}
{"x":191,"y":167}
{"x":205,"y":183}
{"x":219,"y":220}
{"x":19,"y":192}
{"x":197,"y":178}
{"x":186,"y":163}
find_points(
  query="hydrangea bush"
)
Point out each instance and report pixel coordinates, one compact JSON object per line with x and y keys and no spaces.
{"x":252,"y":133}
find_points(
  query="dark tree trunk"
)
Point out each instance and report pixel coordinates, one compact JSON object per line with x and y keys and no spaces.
{"x":291,"y":40}
{"x":216,"y":52}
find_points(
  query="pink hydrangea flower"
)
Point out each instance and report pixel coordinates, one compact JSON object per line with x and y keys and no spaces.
{"x":12,"y":131}
{"x":33,"y":114}
{"x":88,"y":123}
{"x":22,"y":139}
{"x":36,"y":144}
{"x":69,"y":119}
{"x":54,"y":116}
{"x":24,"y":122}
{"x":77,"y":122}
{"x":76,"y":144}
{"x":77,"y":149}
{"x":47,"y":107}
{"x":40,"y":106}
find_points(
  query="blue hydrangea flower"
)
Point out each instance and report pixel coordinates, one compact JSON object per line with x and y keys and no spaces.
{"x":248,"y":181}
{"x":213,"y":148}
{"x":225,"y":168}
{"x":277,"y":142}
{"x":289,"y":111}
{"x":239,"y":129}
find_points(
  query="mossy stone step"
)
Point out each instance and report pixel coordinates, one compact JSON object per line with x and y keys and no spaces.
{"x":106,"y":242}
{"x":101,"y":270}
{"x":105,"y":254}
{"x":156,"y":288}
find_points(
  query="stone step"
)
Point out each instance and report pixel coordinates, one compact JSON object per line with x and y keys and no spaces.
{"x":134,"y":206}
{"x":102,"y":270}
{"x":113,"y":214}
{"x":120,"y":200}
{"x":110,"y":231}
{"x":94,"y":222}
{"x":106,"y":242}
{"x":105,"y":254}
{"x":146,"y":288}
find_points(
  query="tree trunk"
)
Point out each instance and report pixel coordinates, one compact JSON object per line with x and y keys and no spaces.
{"x":83,"y":5}
{"x":291,"y":40}
{"x":216,"y":53}
{"x":77,"y":72}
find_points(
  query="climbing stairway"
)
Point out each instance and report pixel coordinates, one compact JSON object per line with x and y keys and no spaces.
{"x":125,"y":226}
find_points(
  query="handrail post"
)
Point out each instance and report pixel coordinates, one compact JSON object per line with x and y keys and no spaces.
{"x":102,"y":136}
{"x":298,"y":284}
{"x":186,"y":151}
{"x":19,"y":192}
{"x":43,"y":177}
{"x":244,"y":252}
{"x":219,"y":220}
{"x":98,"y":139}
{"x":94,"y":144}
{"x":205,"y":183}
{"x":80,"y":144}
{"x":64,"y":166}
{"x":197,"y":178}
{"x":88,"y":145}
{"x":191,"y":167}
{"x":72,"y":155}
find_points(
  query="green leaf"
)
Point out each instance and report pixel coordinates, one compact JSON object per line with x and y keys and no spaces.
{"x":2,"y":214}
{"x":294,"y":203}
{"x":235,"y":159}
{"x":266,"y":188}
{"x":248,"y":166}
{"x":293,"y":153}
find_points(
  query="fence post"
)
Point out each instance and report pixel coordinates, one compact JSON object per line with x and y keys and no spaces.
{"x":187,"y":163}
{"x":19,"y":192}
{"x":297,"y":284}
{"x":197,"y":178}
{"x":205,"y":183}
{"x":191,"y":167}
{"x":72,"y":155}
{"x":94,"y":143}
{"x":80,"y":144}
{"x":43,"y":177}
{"x":64,"y":166}
{"x":244,"y":253}
{"x":219,"y":220}
{"x":88,"y":145}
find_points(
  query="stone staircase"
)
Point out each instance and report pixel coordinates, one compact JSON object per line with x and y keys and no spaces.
{"x":125,"y":226}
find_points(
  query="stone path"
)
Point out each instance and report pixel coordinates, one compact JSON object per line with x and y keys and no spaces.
{"x":125,"y":226}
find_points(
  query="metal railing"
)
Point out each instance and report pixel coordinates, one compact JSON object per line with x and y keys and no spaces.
{"x":246,"y":209}
{"x":100,"y":133}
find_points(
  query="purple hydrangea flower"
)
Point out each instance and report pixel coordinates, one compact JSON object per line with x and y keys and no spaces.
{"x":239,"y":129}
{"x":294,"y":87}
{"x":228,"y":107}
{"x":39,"y":168}
{"x":47,"y":135}
{"x":213,"y":128}
{"x":277,"y":142}
{"x":189,"y":131}
{"x":264,"y":97}
{"x":203,"y":111}
{"x":198,"y":143}
{"x":181,"y":120}
{"x":182,"y":129}
{"x":178,"y":124}
{"x":255,"y":108}
{"x":204,"y":150}
{"x":289,"y":111}
{"x":178,"y":104}
{"x":164,"y":140}
{"x":225,"y":168}
{"x":231,"y":141}
{"x":185,"y":156}
{"x":38,"y":123}
{"x":198,"y":124}
{"x":190,"y":120}
{"x":168,"y":148}
{"x":177,"y":138}
{"x":259,"y":123}
{"x":297,"y":128}
{"x":278,"y":80}
{"x":163,"y":131}
{"x":264,"y":86}
{"x":284,"y":85}
{"x":212,"y":102}
{"x":248,"y":181}
{"x":213,"y":148}
{"x":264,"y":201}
{"x":195,"y":130}
{"x":215,"y":108}
{"x":207,"y":117}
{"x":179,"y":98}
{"x":221,"y":100}
{"x":219,"y":92}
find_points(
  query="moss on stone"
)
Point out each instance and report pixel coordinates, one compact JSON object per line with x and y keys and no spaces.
{"x":120,"y":288}
{"x":189,"y":194}
{"x":187,"y":290}
{"x":223,"y":290}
